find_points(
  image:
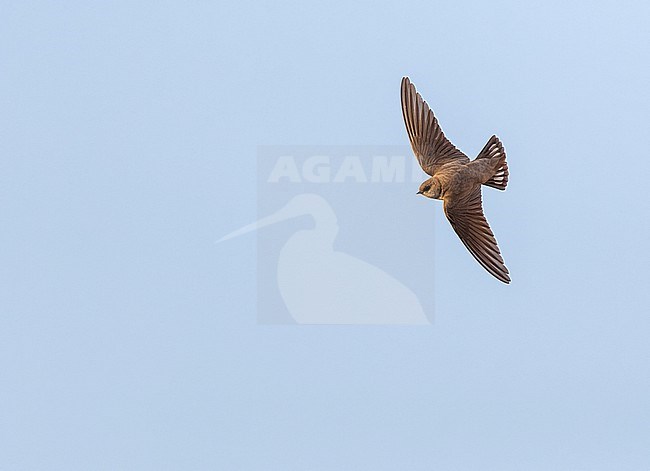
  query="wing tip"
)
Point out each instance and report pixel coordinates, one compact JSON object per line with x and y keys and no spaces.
{"x":406,"y":83}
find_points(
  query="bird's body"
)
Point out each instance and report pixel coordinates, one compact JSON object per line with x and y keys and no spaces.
{"x":456,"y":180}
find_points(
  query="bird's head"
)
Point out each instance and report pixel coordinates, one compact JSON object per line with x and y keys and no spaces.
{"x":430,"y":188}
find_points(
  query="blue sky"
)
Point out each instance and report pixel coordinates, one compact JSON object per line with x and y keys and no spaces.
{"x":128,"y":140}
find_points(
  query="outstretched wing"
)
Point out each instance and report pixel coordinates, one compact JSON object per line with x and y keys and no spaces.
{"x":429,"y":143}
{"x":467,"y":219}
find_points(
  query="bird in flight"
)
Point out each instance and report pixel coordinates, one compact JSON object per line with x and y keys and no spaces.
{"x":456,"y":180}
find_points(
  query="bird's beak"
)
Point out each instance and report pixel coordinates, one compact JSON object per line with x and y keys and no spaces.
{"x":287,"y":212}
{"x":419,"y":193}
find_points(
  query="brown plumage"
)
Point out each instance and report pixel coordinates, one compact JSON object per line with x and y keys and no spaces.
{"x":456,"y":180}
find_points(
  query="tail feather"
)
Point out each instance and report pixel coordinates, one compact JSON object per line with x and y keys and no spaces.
{"x":495,"y":152}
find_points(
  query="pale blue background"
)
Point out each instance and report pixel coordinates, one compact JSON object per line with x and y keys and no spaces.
{"x":128,"y":136}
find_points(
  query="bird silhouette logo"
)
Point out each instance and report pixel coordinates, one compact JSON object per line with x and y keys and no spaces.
{"x":320,"y":285}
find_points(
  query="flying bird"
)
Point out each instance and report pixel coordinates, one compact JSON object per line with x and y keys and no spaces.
{"x":456,"y":180}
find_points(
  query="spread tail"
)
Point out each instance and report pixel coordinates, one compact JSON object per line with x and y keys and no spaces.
{"x":495,"y":152}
